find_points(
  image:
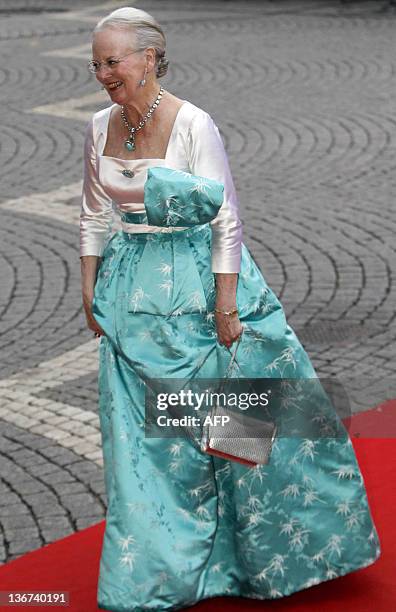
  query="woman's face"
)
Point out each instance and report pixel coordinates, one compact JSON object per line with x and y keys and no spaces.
{"x":121,"y":80}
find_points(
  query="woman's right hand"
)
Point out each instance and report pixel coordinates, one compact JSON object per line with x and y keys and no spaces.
{"x":89,"y":268}
{"x":91,"y":322}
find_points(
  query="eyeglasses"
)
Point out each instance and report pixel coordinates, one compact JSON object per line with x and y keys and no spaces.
{"x":94,"y":66}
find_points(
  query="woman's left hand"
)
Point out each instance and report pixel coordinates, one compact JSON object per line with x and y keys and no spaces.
{"x":228,"y":327}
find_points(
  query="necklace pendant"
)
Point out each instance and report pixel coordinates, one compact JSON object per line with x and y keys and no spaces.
{"x":129,"y":145}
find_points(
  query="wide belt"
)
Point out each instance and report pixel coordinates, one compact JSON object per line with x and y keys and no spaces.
{"x":137,"y":223}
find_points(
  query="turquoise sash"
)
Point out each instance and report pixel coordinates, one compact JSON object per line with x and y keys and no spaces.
{"x":179,"y":199}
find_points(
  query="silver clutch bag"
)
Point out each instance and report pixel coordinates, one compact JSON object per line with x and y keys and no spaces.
{"x":245,"y":439}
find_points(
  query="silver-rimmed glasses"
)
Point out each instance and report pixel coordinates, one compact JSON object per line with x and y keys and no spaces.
{"x":94,"y":66}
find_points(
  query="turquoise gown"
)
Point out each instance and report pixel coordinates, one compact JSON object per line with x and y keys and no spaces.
{"x":182,"y":525}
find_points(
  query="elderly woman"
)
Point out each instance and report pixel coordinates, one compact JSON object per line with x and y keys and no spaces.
{"x":169,"y":299}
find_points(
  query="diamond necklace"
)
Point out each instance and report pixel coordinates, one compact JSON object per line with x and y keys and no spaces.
{"x":129,"y":144}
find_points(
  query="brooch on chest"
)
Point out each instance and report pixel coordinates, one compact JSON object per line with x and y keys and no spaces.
{"x":128,"y":173}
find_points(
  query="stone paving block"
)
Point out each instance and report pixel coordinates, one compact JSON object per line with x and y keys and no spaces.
{"x":7,"y":446}
{"x":19,"y":535}
{"x":9,"y":508}
{"x":24,"y":546}
{"x":63,"y":456}
{"x":59,"y":477}
{"x":70,"y":441}
{"x":10,"y":502}
{"x":83,"y":469}
{"x":43,"y":415}
{"x":81,"y":504}
{"x":42,"y":471}
{"x":69,"y":487}
{"x":26,"y":488}
{"x":85,"y":417}
{"x":57,"y":420}
{"x":98,"y":487}
{"x":69,"y":411}
{"x":4,"y":412}
{"x":17,"y":521}
{"x":56,"y":533}
{"x":40,"y":428}
{"x":89,"y":521}
{"x":41,"y":401}
{"x":25,"y":457}
{"x":71,"y":425}
{"x":57,"y":434}
{"x":96,"y":455}
{"x":84,"y":448}
{"x":87,"y":431}
{"x":24,"y":421}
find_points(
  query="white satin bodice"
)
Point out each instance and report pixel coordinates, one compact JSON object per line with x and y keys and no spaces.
{"x":127,"y":192}
{"x":195,"y":146}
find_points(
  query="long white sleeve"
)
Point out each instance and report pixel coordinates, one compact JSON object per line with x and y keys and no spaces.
{"x":208,"y":158}
{"x":96,"y":216}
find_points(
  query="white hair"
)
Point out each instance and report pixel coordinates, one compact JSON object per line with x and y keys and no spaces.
{"x":147,"y":30}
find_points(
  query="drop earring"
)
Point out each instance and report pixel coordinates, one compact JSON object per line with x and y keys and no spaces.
{"x":142,"y":83}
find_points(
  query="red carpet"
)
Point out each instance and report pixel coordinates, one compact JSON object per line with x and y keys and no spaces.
{"x":72,"y":564}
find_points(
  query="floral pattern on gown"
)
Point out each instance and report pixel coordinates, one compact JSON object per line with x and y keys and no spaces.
{"x":181,"y":525}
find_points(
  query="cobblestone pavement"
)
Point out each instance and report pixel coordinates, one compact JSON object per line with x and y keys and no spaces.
{"x":303,"y":93}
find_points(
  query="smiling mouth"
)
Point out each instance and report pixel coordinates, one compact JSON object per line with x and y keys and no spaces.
{"x":114,"y":85}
